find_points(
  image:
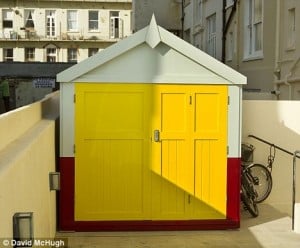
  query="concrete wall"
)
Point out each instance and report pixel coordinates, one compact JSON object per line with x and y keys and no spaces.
{"x":167,"y":13}
{"x":27,"y":152}
{"x":278,"y":123}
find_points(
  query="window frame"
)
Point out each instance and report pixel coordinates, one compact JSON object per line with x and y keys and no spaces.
{"x":7,"y":20}
{"x":29,"y":54}
{"x":93,"y":21}
{"x":291,"y":22}
{"x":71,"y":21}
{"x":211,"y":35}
{"x":72,"y":55}
{"x":198,"y":12}
{"x":50,"y":15}
{"x":250,"y":31}
{"x":26,"y":18}
{"x":7,"y":58}
{"x":92,"y":51}
{"x":52,"y":54}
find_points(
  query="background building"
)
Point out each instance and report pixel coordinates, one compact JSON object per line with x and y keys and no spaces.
{"x":43,"y":33}
{"x":258,"y":38}
{"x":167,"y":13}
{"x":60,"y":30}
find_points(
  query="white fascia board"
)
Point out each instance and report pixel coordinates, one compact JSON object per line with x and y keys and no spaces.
{"x":102,"y":57}
{"x":202,"y":58}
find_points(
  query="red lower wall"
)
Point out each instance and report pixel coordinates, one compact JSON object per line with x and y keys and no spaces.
{"x":66,"y":207}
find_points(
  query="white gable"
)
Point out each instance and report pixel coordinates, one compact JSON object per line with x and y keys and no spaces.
{"x":147,"y":65}
{"x":152,"y":55}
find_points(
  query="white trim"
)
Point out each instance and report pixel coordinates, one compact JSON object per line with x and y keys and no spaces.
{"x":249,"y":31}
{"x":234,"y":121}
{"x":67,"y":120}
{"x":153,"y":35}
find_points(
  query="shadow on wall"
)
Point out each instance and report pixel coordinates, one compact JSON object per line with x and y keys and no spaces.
{"x":278,"y":123}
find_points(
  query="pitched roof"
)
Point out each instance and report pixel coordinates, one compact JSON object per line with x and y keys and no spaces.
{"x":152,"y":55}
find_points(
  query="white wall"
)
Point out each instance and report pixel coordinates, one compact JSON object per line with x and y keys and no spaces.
{"x":27,"y":152}
{"x":278,"y":123}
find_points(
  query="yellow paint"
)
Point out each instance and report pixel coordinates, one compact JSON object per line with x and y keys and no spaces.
{"x":193,"y":140}
{"x":116,"y":154}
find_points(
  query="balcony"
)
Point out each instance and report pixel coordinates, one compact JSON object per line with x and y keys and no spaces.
{"x":31,"y":35}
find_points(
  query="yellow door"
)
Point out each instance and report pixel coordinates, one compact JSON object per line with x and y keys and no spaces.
{"x":189,"y":140}
{"x":112,"y":143}
{"x":115,"y":141}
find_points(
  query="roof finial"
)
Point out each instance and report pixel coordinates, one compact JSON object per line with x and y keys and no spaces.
{"x":153,"y":36}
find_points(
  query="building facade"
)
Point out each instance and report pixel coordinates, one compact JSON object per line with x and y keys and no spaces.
{"x":203,"y":25}
{"x":258,"y":38}
{"x":251,"y":45}
{"x":287,"y":53}
{"x":60,"y":30}
{"x":167,"y":13}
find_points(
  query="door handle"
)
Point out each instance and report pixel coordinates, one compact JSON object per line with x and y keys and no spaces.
{"x":156,"y":135}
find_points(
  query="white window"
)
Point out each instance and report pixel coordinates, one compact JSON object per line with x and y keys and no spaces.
{"x":8,"y":54}
{"x":29,"y":18}
{"x":198,"y":11}
{"x":116,"y":25}
{"x":51,"y":54}
{"x":29,"y":54}
{"x":72,"y":55}
{"x":93,"y":20}
{"x":253,"y":37}
{"x":7,"y":16}
{"x":92,"y":51}
{"x":211,"y":35}
{"x":72,"y":20}
{"x":291,"y":37}
{"x":50,"y":23}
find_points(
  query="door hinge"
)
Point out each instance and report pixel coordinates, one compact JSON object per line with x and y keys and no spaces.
{"x":74,"y":98}
{"x":228,"y":100}
{"x":74,"y":149}
{"x":227,"y":150}
{"x":191,"y":100}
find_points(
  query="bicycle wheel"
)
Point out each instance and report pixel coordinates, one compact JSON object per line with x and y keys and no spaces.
{"x":262,"y":181}
{"x":248,"y":200}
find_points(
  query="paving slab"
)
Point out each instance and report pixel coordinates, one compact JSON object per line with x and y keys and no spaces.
{"x":271,"y":229}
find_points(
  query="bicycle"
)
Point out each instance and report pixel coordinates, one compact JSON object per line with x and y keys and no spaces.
{"x":261,"y":174}
{"x":248,"y":192}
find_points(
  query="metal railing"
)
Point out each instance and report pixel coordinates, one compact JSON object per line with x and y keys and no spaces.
{"x":271,"y":144}
{"x":295,"y":155}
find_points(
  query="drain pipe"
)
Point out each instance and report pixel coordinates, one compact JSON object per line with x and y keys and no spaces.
{"x":226,"y":25}
{"x":277,"y":69}
{"x":182,"y":18}
{"x":296,"y":209}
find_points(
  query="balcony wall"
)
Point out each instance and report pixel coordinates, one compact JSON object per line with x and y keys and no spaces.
{"x":27,"y":152}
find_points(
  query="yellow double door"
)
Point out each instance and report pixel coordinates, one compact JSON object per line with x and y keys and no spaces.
{"x":150,"y":152}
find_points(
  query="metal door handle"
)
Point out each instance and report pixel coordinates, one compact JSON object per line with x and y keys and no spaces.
{"x":156,"y":135}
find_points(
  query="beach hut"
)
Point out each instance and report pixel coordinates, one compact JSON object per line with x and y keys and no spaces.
{"x":150,"y":138}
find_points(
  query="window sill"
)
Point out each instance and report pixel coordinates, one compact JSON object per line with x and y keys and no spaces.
{"x":290,"y":48}
{"x":253,"y":57}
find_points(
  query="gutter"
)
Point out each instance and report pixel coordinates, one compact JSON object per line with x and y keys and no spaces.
{"x":226,"y":26}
